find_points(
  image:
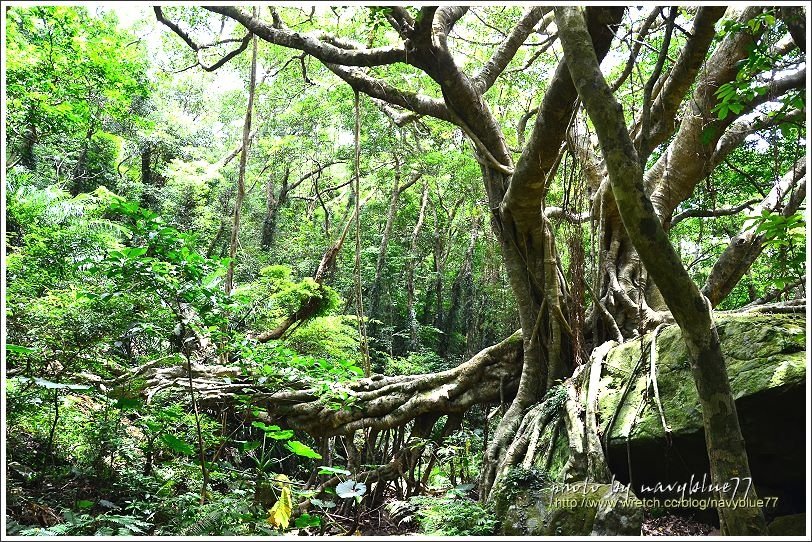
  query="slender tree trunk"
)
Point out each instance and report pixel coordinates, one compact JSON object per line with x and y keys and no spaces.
{"x":410,"y":267}
{"x":459,"y":290}
{"x":272,"y":205}
{"x":146,"y":165}
{"x":246,"y":139}
{"x":29,"y":141}
{"x":375,"y":290}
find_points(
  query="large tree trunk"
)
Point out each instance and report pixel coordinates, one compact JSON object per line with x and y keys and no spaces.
{"x":701,"y":142}
{"x":529,"y":251}
{"x":726,"y":451}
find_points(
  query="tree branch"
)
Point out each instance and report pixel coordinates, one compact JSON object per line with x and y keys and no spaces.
{"x":199,"y":48}
{"x":677,"y":82}
{"x":377,"y":88}
{"x":321,"y":47}
{"x":635,"y":48}
{"x":708,"y":213}
{"x":527,"y":185}
{"x":487,"y":75}
{"x":745,"y":247}
{"x":793,"y":17}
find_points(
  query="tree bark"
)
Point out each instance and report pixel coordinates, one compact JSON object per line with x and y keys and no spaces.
{"x":379,"y":402}
{"x":272,"y":206}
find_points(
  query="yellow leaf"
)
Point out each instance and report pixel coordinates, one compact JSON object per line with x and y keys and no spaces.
{"x":279,"y":514}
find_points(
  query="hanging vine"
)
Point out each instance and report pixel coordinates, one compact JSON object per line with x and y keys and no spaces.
{"x":359,"y":302}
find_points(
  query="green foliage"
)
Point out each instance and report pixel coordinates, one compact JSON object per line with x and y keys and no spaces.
{"x":786,"y":236}
{"x":73,"y":80}
{"x":87,"y":525}
{"x":452,"y":515}
{"x":519,"y":478}
{"x":119,"y":211}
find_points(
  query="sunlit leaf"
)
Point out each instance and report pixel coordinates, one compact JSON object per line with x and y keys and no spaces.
{"x":301,"y":449}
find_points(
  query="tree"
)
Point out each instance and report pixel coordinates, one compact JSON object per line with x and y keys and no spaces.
{"x":610,"y":205}
{"x":691,"y":310}
{"x":516,"y":187}
{"x":72,"y":78}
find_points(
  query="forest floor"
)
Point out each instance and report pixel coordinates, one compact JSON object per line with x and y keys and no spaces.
{"x":673,"y":525}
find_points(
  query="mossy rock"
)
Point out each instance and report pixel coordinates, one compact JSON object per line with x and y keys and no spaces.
{"x":792,"y":525}
{"x":762,"y":351}
{"x":766,"y":363}
{"x":554,"y":510}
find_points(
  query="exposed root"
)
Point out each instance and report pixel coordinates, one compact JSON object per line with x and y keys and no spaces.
{"x":653,"y":381}
{"x":378,"y":402}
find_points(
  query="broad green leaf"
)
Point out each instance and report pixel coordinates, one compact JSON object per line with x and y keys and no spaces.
{"x":17,"y":349}
{"x":264,"y":427}
{"x":301,"y":449}
{"x":306,"y":520}
{"x":322,"y":504}
{"x":332,"y":470}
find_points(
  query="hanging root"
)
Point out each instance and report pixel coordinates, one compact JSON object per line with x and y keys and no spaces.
{"x":573,"y":406}
{"x":653,"y":381}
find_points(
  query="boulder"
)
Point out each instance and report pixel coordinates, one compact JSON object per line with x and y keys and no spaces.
{"x":766,"y":363}
{"x":792,"y":525}
{"x":585,"y":509}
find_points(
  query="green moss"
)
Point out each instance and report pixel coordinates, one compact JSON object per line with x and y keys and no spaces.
{"x":762,"y":352}
{"x":572,"y":511}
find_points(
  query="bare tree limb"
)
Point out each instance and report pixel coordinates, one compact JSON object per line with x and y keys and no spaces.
{"x":318,"y":47}
{"x":507,"y":50}
{"x":708,"y":213}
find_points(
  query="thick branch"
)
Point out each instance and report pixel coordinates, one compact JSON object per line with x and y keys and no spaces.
{"x":507,"y":50}
{"x":739,"y":130}
{"x":381,"y":90}
{"x":378,"y":402}
{"x":527,"y":186}
{"x":688,"y":306}
{"x":199,"y":48}
{"x":318,"y":47}
{"x":679,"y":79}
{"x":574,"y":218}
